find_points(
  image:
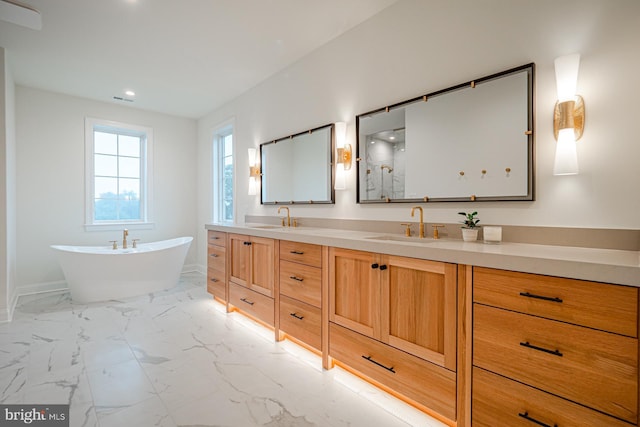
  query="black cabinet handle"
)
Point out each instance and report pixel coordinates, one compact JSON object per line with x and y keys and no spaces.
{"x":296,"y":316}
{"x":214,"y":255}
{"x":247,"y":243}
{"x":214,"y":238}
{"x":545,"y":350}
{"x":298,"y":279}
{"x":552,"y":299}
{"x":533,"y":420}
{"x":370,"y":359}
{"x":297,"y":252}
{"x":374,"y":266}
{"x":214,"y":280}
{"x":383,"y":267}
{"x":246,"y":301}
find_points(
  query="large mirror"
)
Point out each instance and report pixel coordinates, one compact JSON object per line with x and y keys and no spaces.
{"x":470,"y":142}
{"x":297,"y":168}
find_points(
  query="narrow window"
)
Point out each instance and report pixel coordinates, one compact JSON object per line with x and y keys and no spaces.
{"x":223,"y":207}
{"x":118,"y":171}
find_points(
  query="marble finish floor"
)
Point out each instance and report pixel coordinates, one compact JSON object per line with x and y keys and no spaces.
{"x":175,"y":358}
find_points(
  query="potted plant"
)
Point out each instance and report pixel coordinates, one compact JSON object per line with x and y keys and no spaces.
{"x":470,"y":228}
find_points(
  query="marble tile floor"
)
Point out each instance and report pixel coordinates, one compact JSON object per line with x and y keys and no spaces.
{"x":175,"y":358}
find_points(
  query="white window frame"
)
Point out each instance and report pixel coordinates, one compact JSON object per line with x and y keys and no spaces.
{"x":146,"y":176}
{"x":217,"y":171}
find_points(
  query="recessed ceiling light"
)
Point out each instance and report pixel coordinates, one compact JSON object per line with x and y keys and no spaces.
{"x":130,"y":93}
{"x":392,"y":137}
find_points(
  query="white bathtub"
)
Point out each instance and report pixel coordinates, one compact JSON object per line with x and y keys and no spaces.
{"x":100,"y":273}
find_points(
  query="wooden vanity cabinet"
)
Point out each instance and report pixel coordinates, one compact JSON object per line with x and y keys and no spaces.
{"x":553,"y":351}
{"x":252,"y":275}
{"x":394,"y":320}
{"x":216,"y":264}
{"x":252,"y":263}
{"x":300,"y":284}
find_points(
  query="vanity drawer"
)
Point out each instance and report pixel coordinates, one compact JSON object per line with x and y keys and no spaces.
{"x":301,"y":282}
{"x":594,"y":368}
{"x":252,"y":303}
{"x":217,"y":238}
{"x":417,"y":379}
{"x":216,"y":257}
{"x":301,"y":321}
{"x":498,"y":401}
{"x":602,"y":306}
{"x":216,"y":283}
{"x":303,"y":253}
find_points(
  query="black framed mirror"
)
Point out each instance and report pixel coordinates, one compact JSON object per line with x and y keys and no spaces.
{"x":469,"y":142}
{"x":297,"y":169}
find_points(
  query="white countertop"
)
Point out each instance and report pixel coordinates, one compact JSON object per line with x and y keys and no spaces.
{"x":600,"y":265}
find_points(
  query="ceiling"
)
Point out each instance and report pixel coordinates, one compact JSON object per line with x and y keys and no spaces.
{"x":180,"y":57}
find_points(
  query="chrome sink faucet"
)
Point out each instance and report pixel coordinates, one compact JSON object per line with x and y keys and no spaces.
{"x":421,"y":229}
{"x":288,"y":217}
{"x":125,"y":233}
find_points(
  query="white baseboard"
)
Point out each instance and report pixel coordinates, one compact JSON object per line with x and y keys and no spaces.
{"x":191,"y":268}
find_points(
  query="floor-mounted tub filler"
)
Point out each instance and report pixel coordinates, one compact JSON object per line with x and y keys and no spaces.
{"x":100,"y":273}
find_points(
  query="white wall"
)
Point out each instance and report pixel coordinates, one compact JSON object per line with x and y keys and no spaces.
{"x":50,"y":178}
{"x":417,"y":46}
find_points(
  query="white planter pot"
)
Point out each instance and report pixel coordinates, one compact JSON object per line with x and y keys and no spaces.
{"x":469,"y":234}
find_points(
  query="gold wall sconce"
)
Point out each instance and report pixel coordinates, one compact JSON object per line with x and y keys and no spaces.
{"x":254,"y":172}
{"x":568,"y":115}
{"x":343,"y":155}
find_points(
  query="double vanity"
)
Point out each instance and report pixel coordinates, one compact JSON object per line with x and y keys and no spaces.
{"x":511,"y":334}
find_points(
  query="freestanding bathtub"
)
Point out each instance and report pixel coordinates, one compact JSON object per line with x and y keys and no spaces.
{"x":100,"y":273}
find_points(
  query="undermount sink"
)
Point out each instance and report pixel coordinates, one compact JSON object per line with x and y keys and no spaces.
{"x":395,"y":238}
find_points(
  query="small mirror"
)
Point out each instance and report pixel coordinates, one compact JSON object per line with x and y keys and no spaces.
{"x":470,"y":142}
{"x":297,"y":168}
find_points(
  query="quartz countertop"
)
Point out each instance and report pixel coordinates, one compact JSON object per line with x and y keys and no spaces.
{"x":600,"y":265}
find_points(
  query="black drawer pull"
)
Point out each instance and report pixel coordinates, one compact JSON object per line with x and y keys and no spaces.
{"x":214,"y":280}
{"x":296,"y":316}
{"x":298,"y":279}
{"x":533,"y":420}
{"x":374,"y":266}
{"x":552,"y":299}
{"x":535,"y":347}
{"x":246,"y":301}
{"x":214,"y":238}
{"x":390,"y":369}
{"x":297,"y":252}
{"x":214,"y":255}
{"x":246,"y":243}
{"x":383,"y":267}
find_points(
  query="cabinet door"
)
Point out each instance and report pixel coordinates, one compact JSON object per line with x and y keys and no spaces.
{"x":354,"y":283}
{"x":419,"y":308}
{"x":262,"y":265}
{"x":240,"y":256}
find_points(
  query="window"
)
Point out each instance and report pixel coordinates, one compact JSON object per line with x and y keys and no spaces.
{"x":223,"y":174}
{"x":118,"y":171}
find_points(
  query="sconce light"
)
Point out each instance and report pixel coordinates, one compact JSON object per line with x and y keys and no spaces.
{"x":568,"y":116}
{"x":343,"y":155}
{"x":254,"y":172}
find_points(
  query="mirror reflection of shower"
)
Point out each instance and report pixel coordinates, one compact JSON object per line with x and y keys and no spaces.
{"x":385,"y":157}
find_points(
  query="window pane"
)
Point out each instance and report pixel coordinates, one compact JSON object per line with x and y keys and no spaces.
{"x":228,"y":145}
{"x":129,"y":167}
{"x":106,"y":165}
{"x":106,"y":188}
{"x":105,"y":209}
{"x":105,"y":143}
{"x":129,"y":188}
{"x":129,"y":146}
{"x":130,"y":209}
